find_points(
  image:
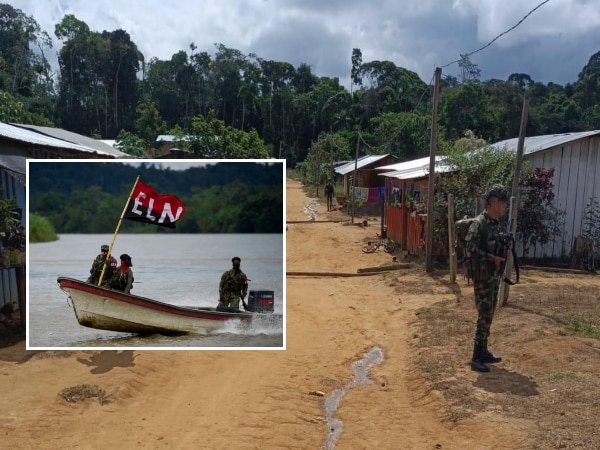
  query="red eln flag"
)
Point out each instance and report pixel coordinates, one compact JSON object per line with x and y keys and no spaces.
{"x":146,"y":205}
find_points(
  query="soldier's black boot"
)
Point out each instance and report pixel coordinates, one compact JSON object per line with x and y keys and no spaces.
{"x":477,"y":362}
{"x":488,"y":357}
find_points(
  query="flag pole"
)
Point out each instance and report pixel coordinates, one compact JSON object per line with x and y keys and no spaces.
{"x":117,"y":230}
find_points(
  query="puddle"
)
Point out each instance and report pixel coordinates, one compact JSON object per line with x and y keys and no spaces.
{"x":361,"y":372}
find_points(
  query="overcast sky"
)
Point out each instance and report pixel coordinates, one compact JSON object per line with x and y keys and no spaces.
{"x":553,"y":44}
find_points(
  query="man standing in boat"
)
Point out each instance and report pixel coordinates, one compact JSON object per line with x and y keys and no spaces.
{"x":96,"y":270}
{"x":232,"y":288}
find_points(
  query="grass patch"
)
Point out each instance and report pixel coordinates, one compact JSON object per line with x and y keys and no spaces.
{"x":82,"y":392}
{"x":562,"y":376}
{"x":548,"y":371}
{"x":583,"y":327}
{"x":540,"y":334}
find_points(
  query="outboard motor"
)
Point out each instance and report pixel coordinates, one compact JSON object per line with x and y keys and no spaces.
{"x":261,"y":301}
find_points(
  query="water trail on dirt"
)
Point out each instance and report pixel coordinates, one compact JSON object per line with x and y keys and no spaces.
{"x":311,"y":209}
{"x":361,"y":376}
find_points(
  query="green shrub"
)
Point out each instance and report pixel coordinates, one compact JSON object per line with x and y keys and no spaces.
{"x":40,"y":229}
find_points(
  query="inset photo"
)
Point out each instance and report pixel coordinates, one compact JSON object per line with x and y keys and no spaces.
{"x":147,"y":254}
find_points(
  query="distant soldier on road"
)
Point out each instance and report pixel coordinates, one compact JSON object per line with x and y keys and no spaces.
{"x":329,"y":195}
{"x":232,"y":288}
{"x":96,"y":269}
{"x":483,"y":247}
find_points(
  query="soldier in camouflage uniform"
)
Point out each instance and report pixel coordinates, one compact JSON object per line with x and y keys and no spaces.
{"x":232,"y":288}
{"x":483,"y":245}
{"x":96,"y":269}
{"x":122,"y":279}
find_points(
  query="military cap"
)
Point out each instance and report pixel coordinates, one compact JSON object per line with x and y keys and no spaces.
{"x":497,"y":191}
{"x":236,"y":258}
{"x":104,"y":248}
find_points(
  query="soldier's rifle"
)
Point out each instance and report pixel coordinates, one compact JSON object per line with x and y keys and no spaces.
{"x":507,"y":242}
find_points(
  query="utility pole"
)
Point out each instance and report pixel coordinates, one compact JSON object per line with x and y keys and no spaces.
{"x":451,"y":239}
{"x":431,"y":185}
{"x":354,"y":180}
{"x":514,"y":201}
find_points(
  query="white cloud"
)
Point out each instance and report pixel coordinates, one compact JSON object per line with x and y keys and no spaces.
{"x":415,"y":34}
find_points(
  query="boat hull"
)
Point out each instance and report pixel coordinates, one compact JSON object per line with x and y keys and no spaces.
{"x":106,"y":309}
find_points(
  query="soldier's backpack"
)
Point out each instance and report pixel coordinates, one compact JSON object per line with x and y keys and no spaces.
{"x":462,"y":228}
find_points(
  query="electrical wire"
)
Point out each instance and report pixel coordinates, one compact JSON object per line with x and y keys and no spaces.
{"x":466,"y":55}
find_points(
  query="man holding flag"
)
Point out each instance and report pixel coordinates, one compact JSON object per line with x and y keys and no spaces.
{"x":146,"y":205}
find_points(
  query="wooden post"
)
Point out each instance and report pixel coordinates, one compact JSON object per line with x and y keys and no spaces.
{"x":505,"y":288}
{"x":431,"y":186}
{"x":21,"y":286}
{"x":383,"y":205}
{"x":451,"y":239}
{"x":354,"y":181}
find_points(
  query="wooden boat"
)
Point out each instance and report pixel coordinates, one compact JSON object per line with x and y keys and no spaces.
{"x":107,"y":309}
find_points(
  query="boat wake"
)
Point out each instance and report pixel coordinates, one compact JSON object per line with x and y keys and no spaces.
{"x":264,"y":324}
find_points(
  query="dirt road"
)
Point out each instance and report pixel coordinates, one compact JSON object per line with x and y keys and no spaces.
{"x":260,"y":399}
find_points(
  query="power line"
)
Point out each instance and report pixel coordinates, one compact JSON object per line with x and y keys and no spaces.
{"x":499,"y":36}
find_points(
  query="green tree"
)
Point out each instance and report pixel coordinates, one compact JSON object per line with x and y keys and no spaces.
{"x":355,"y":72}
{"x":466,"y":108}
{"x":98,"y":82}
{"x":403,"y":134}
{"x":211,"y":138}
{"x":131,"y":144}
{"x":469,"y":70}
{"x":9,"y":219}
{"x":19,"y":65}
{"x":149,"y":123}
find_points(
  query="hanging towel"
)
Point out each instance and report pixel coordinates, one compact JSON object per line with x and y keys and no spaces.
{"x":361,"y":194}
{"x":373,"y":198}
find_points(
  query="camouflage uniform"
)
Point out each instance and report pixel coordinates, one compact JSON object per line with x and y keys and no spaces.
{"x":232,"y":288}
{"x":122,"y":281}
{"x":483,"y":243}
{"x":96,"y":270}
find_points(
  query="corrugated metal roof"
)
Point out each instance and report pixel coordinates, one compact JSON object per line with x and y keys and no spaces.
{"x":31,"y":137}
{"x":165,"y":138}
{"x":362,"y":162}
{"x":535,"y":144}
{"x":74,"y":138}
{"x":172,"y":138}
{"x":111,"y":142}
{"x":406,"y":165}
{"x":417,"y":168}
{"x":14,"y":160}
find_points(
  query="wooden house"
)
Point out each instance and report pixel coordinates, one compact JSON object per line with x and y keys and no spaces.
{"x":575,"y":158}
{"x":405,"y":202}
{"x":367,"y":180}
{"x":18,"y":143}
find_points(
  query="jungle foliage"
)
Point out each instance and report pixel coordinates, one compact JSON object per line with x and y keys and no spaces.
{"x":231,"y":103}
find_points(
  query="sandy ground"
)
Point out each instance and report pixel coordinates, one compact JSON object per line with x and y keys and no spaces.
{"x":260,"y":399}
